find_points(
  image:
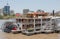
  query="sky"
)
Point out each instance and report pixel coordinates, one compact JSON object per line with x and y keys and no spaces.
{"x":33,"y":5}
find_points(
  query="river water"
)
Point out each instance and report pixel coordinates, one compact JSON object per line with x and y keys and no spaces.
{"x":2,"y":21}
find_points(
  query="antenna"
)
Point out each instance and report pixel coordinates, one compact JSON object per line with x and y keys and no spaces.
{"x":7,"y":2}
{"x":53,"y":13}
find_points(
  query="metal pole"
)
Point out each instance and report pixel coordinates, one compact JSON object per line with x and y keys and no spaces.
{"x":41,"y":24}
{"x":34,"y":24}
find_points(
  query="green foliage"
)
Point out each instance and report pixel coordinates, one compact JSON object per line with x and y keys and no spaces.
{"x":13,"y":15}
{"x":1,"y":17}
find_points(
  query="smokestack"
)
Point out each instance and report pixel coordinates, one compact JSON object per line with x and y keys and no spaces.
{"x":53,"y":13}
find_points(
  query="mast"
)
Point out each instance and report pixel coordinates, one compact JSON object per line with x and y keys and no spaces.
{"x":53,"y":13}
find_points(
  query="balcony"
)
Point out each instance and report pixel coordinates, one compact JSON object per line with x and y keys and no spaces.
{"x":37,"y":22}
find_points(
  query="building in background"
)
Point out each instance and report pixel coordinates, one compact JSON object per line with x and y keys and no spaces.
{"x":57,"y":13}
{"x":6,"y":10}
{"x":40,"y":11}
{"x":1,"y":12}
{"x":11,"y":12}
{"x":18,"y":14}
{"x":30,"y":12}
{"x":25,"y":11}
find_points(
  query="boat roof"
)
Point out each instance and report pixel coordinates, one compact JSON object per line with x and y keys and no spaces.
{"x":55,"y":17}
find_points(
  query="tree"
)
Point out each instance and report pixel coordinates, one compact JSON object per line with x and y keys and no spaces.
{"x":1,"y":17}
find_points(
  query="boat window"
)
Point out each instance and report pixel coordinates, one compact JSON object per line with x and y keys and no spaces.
{"x":37,"y":24}
{"x":43,"y":23}
{"x":46,"y":19}
{"x":24,"y":20}
{"x":30,"y":20}
{"x":20,"y":20}
{"x":37,"y":29}
{"x":30,"y":26}
{"x":17,"y":20}
{"x":37,"y":19}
